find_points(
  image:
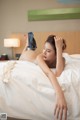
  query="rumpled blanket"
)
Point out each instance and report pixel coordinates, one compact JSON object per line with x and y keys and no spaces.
{"x":6,"y":76}
{"x":28,"y":93}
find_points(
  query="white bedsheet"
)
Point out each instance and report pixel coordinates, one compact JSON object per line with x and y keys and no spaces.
{"x":29,"y":94}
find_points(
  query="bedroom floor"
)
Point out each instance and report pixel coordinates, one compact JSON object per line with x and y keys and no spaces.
{"x":9,"y":118}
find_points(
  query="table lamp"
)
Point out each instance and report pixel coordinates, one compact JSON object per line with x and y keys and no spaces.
{"x":12,"y":42}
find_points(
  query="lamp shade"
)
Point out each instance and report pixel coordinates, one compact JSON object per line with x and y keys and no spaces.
{"x":11,"y":42}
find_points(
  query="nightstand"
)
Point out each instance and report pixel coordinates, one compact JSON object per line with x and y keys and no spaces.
{"x":4,"y":57}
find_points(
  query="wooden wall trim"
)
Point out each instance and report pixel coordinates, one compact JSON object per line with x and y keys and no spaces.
{"x":72,"y":41}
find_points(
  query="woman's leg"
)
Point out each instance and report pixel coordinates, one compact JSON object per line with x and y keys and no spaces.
{"x":29,"y":53}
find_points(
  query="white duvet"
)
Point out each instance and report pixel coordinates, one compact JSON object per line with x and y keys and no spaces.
{"x":26,"y":92}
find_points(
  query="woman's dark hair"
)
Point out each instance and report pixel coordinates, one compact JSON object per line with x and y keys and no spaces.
{"x":32,"y":42}
{"x":51,"y":40}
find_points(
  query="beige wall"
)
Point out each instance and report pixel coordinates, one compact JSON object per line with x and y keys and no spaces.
{"x":13,"y":19}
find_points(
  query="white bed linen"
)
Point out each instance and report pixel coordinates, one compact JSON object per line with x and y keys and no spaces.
{"x":29,"y":94}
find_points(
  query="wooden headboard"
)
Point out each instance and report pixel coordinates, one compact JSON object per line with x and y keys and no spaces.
{"x":72,"y":40}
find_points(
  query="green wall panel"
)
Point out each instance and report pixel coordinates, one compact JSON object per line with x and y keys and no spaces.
{"x":54,"y":14}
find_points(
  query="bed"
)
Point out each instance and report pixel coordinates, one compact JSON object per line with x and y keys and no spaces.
{"x":26,"y":92}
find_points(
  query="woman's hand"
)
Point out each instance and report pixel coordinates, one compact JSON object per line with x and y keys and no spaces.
{"x":58,"y":42}
{"x":60,"y":111}
{"x":60,"y":61}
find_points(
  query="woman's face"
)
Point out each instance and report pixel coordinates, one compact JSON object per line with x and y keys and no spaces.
{"x":49,"y":53}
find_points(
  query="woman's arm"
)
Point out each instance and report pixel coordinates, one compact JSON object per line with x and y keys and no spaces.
{"x":60,"y":61}
{"x":61,"y":106}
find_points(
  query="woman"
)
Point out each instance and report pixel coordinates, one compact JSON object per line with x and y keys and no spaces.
{"x":51,"y":57}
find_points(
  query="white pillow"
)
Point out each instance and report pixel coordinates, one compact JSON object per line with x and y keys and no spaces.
{"x":75,"y":56}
